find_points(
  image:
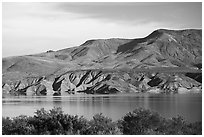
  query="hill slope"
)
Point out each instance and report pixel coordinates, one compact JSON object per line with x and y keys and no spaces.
{"x":109,"y":65}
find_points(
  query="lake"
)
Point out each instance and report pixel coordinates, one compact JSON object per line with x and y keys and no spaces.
{"x":114,"y":106}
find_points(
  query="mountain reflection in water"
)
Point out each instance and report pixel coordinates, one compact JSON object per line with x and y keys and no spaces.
{"x":114,"y":106}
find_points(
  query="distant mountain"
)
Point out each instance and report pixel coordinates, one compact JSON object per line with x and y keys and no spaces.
{"x":110,"y":65}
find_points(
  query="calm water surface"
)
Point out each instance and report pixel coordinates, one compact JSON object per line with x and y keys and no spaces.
{"x":114,"y":106}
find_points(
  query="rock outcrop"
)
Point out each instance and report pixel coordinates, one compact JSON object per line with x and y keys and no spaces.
{"x":103,"y":82}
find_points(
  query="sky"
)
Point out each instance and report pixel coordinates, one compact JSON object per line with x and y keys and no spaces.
{"x":35,"y":27}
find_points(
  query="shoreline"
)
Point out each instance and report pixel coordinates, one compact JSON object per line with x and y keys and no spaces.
{"x":100,"y":95}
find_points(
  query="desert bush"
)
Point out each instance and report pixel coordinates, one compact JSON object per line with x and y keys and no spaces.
{"x":54,"y":122}
{"x":194,"y":129}
{"x":47,"y":122}
{"x":142,"y":121}
{"x":101,"y":125}
{"x":178,"y":126}
{"x":17,"y":126}
{"x":139,"y":122}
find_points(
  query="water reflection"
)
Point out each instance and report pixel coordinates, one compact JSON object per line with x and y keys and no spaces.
{"x":114,"y":106}
{"x":57,"y":101}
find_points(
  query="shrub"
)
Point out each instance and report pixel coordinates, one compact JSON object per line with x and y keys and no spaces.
{"x":194,"y":129}
{"x":178,"y":126}
{"x":46,"y":122}
{"x":173,"y":126}
{"x":54,"y":122}
{"x":139,"y":121}
{"x":101,"y":125}
{"x":17,"y":126}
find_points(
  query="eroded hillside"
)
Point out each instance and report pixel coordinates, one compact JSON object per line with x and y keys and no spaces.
{"x":164,"y":61}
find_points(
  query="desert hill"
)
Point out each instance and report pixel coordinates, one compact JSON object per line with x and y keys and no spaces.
{"x":164,"y":61}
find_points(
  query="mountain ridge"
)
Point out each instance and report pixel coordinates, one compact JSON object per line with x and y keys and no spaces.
{"x":162,"y":48}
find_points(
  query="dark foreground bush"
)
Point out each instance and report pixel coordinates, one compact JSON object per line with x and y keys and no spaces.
{"x":101,"y":125}
{"x":17,"y":126}
{"x":139,"y":122}
{"x":55,"y":122}
{"x":142,"y":121}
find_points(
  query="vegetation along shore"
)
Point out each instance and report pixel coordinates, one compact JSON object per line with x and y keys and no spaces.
{"x":138,"y":122}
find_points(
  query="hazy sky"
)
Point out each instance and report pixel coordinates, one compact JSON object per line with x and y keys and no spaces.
{"x":30,"y":28}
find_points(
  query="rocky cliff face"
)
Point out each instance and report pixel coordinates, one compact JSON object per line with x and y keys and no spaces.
{"x":165,"y":61}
